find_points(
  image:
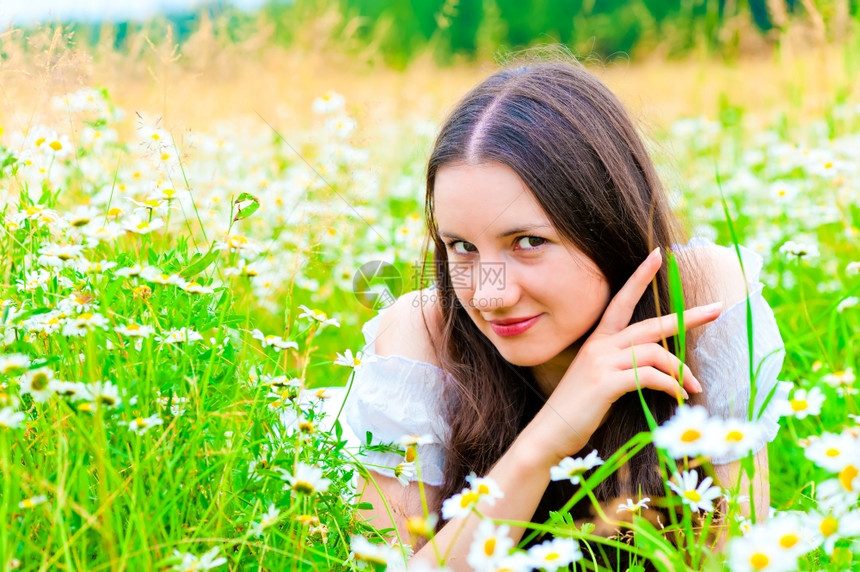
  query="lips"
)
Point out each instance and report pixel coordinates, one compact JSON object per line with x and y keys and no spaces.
{"x":513,"y":326}
{"x":510,"y":321}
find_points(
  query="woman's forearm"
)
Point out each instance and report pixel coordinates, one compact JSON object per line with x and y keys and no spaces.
{"x":522,"y":474}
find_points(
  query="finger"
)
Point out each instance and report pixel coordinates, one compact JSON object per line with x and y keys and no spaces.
{"x":650,"y":378}
{"x":658,"y":357}
{"x":656,"y":329}
{"x":620,"y":309}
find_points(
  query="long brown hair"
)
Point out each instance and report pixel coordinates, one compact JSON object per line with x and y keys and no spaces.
{"x":572,"y":143}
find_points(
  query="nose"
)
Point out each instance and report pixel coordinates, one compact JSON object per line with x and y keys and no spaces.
{"x":496,"y":287}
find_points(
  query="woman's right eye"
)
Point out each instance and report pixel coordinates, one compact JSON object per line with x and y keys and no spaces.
{"x":462,"y":247}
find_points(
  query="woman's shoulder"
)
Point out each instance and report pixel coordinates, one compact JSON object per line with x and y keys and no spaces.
{"x":410,"y":327}
{"x":713,"y":273}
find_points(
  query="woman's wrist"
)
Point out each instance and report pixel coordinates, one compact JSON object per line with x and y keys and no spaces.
{"x":546,"y":441}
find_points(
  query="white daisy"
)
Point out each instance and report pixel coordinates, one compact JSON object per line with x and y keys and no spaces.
{"x":696,"y":496}
{"x":799,"y":250}
{"x":802,"y":403}
{"x":318,"y":316}
{"x":32,"y":501}
{"x":39,"y":383}
{"x":574,"y":469}
{"x":405,"y":473}
{"x":689,"y":433}
{"x":555,"y":554}
{"x":348,"y":360}
{"x":377,"y":556}
{"x":758,"y":553}
{"x":179,"y":336}
{"x":277,"y":342}
{"x":138,"y":225}
{"x":141,"y":425}
{"x":100,"y":394}
{"x":267,"y":519}
{"x":13,"y":364}
{"x":489,"y":545}
{"x":134,"y":330}
{"x":191,"y":563}
{"x":305,"y":479}
{"x":10,"y":418}
{"x":82,"y":324}
{"x":630,"y":506}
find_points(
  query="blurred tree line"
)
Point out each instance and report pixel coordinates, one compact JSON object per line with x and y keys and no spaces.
{"x":400,"y":29}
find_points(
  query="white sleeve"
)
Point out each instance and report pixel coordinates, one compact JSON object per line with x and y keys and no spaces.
{"x":723,"y":356}
{"x":393,"y":396}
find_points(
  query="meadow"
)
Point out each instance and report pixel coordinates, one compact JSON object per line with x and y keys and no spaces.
{"x":181,"y":232}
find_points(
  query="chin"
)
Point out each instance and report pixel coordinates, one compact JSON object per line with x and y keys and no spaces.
{"x":525,"y":359}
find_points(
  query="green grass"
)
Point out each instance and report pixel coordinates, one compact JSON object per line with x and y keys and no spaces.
{"x":116,"y":499}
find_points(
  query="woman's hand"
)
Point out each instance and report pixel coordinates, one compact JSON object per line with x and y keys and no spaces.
{"x":604,"y":369}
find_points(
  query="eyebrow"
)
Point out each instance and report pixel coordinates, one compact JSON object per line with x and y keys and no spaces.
{"x":519,"y":230}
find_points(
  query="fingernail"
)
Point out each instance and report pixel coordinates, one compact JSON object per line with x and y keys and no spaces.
{"x":686,"y":395}
{"x":714,"y":307}
{"x":697,"y":385}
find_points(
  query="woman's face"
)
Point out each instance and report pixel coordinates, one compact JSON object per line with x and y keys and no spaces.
{"x":507,"y":262}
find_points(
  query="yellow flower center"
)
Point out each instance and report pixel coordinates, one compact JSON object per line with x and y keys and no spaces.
{"x":552,"y":556}
{"x":237,"y":241}
{"x":690,"y":436}
{"x":39,"y":141}
{"x":306,"y":427}
{"x":693,"y":496}
{"x":829,"y":526}
{"x":40,"y":381}
{"x":788,"y":540}
{"x":847,"y":476}
{"x":143,"y":226}
{"x":734,"y":436}
{"x":417,"y":526}
{"x":483,"y":489}
{"x":132,"y":327}
{"x":490,"y":546}
{"x":799,"y":404}
{"x":411,"y":453}
{"x":832,"y":452}
{"x":55,"y":145}
{"x":114,"y":212}
{"x":759,"y":561}
{"x":303,"y":487}
{"x":140,"y":421}
{"x":468,"y":499}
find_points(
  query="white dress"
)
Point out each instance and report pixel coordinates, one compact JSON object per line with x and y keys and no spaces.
{"x":393,"y":396}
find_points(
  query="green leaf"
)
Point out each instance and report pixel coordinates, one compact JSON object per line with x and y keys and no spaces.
{"x":244,"y":212}
{"x":676,"y":302}
{"x":200,"y":263}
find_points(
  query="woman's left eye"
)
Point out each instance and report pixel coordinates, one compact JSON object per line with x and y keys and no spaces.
{"x":530,"y":242}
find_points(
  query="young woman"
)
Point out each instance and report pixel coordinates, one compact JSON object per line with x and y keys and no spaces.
{"x":551,"y":229}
